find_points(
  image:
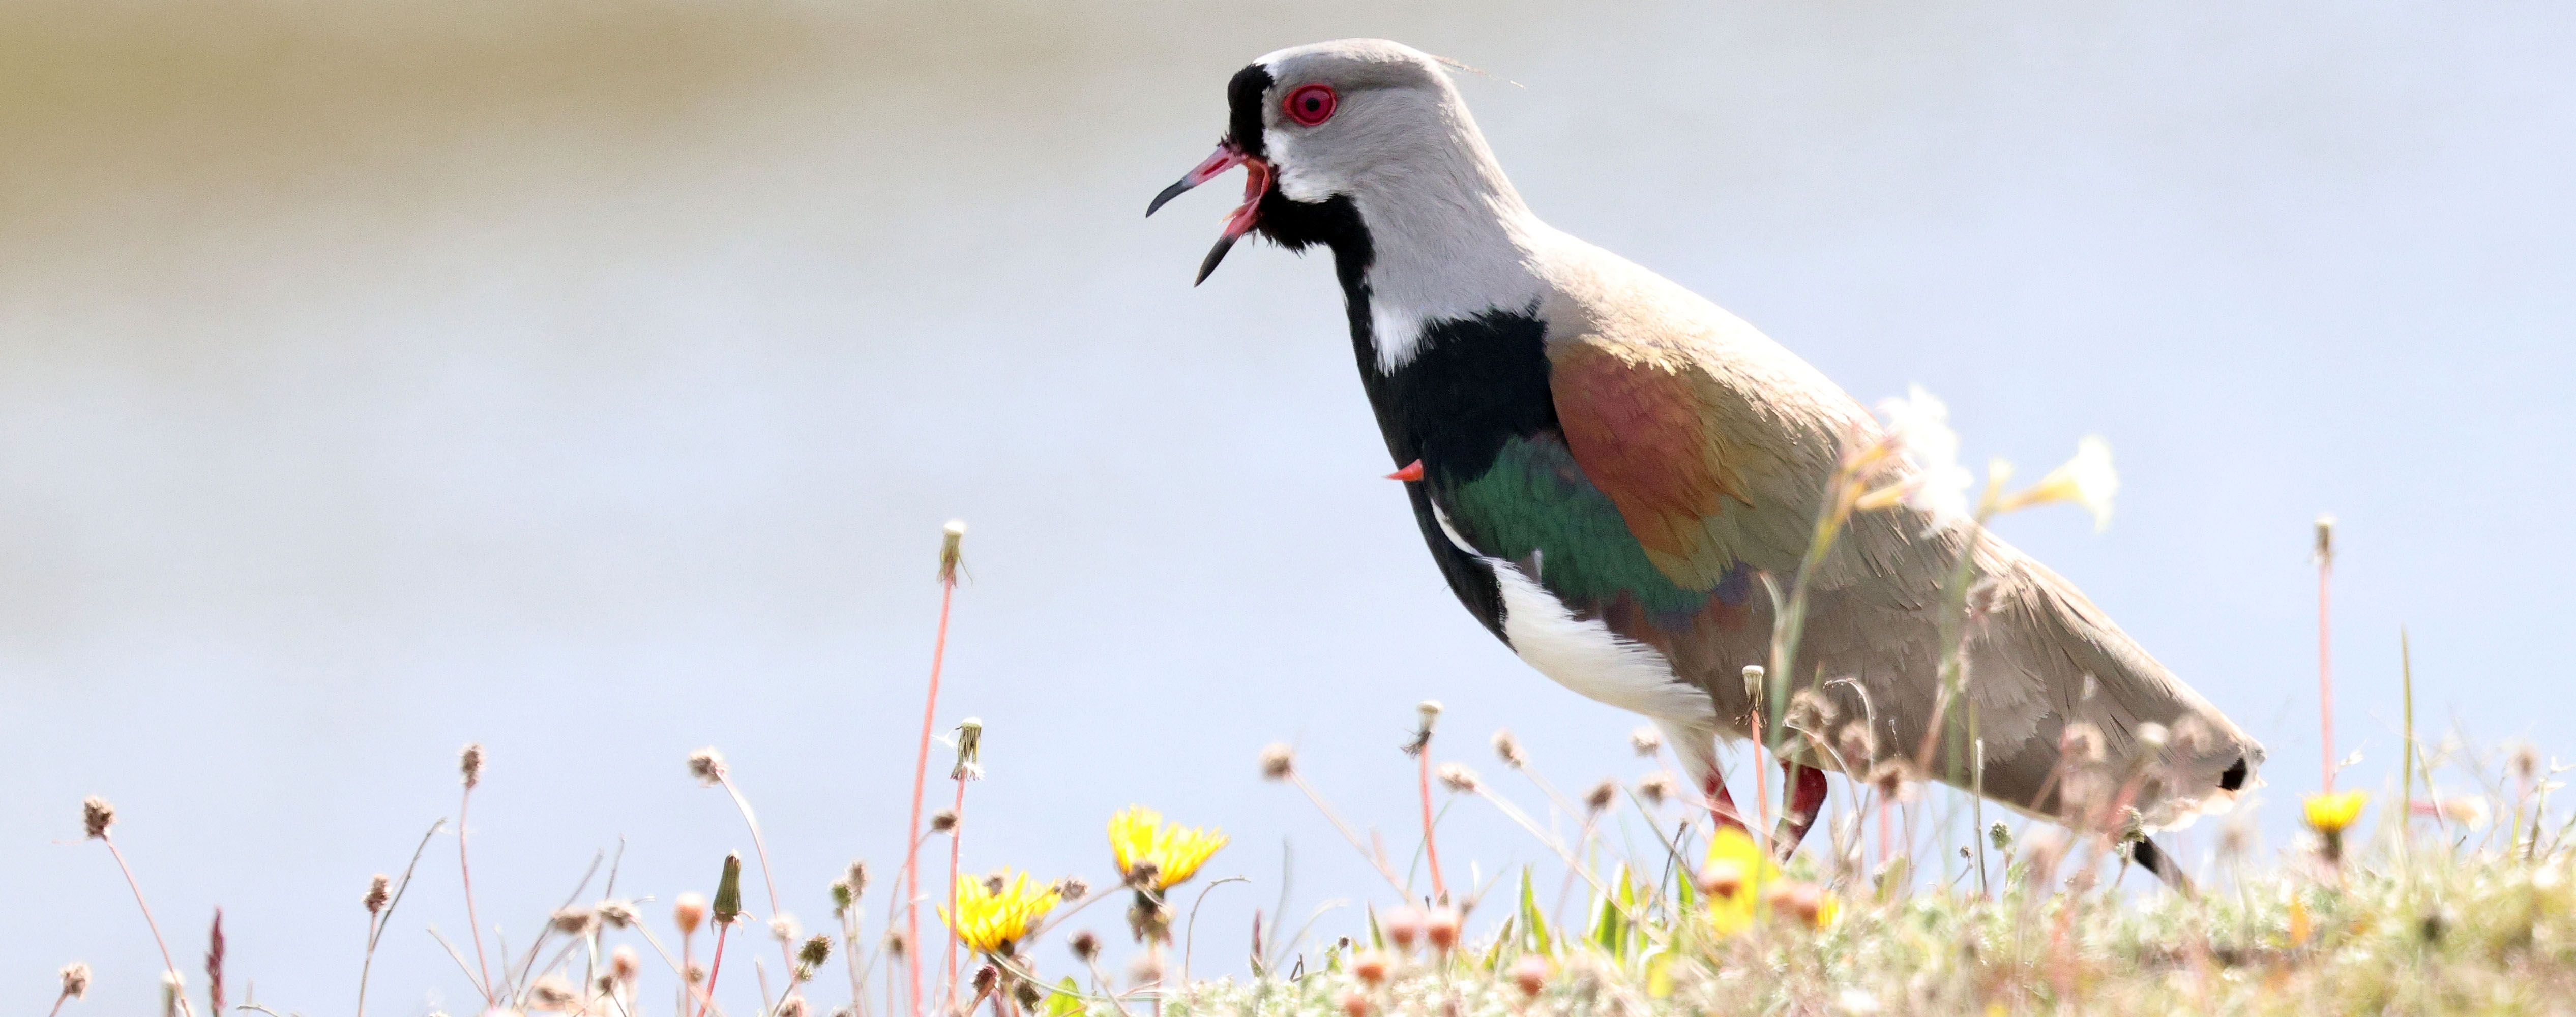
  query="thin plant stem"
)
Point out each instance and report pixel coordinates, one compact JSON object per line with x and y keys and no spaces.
{"x":148,"y":920}
{"x":920,"y":776}
{"x":714,"y":968}
{"x":2406,"y":669}
{"x":2325,"y":647}
{"x":956,"y":849}
{"x":1375,"y":859}
{"x":1430,"y":845}
{"x":376,"y":923}
{"x":465,"y":871}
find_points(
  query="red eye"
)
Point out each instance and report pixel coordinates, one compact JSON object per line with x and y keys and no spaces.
{"x":1310,"y":104}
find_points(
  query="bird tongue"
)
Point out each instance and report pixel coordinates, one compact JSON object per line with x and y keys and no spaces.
{"x":1256,"y":182}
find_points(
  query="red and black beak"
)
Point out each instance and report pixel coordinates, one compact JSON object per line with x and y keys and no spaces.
{"x":1256,"y":183}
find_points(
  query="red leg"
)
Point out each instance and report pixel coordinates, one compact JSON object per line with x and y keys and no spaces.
{"x":1806,"y":799}
{"x":1721,"y":806}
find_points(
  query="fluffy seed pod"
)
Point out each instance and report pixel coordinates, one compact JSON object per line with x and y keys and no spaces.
{"x":1507,"y":747}
{"x":1085,"y":945}
{"x":379,"y":892}
{"x":1646,"y":741}
{"x":708,"y":766}
{"x":1458,"y":778}
{"x":469,"y":762}
{"x":1278,"y":762}
{"x":1601,"y":795}
{"x":96,"y":816}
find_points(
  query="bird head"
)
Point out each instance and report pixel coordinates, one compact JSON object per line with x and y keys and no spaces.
{"x":1319,"y":127}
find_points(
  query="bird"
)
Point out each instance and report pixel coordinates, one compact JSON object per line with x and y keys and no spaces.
{"x":1614,"y":474}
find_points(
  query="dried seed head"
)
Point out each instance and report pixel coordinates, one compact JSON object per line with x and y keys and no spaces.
{"x":815,"y":951}
{"x":2325,"y":539}
{"x":1658,"y":786}
{"x":1085,"y":944}
{"x":1404,"y":926}
{"x":1753,"y":675}
{"x":1722,"y":878}
{"x":1857,"y":743}
{"x":943,"y":821}
{"x":575,"y":921}
{"x":1809,"y":710}
{"x":615,"y":913}
{"x":1802,"y":901}
{"x":694,"y":973}
{"x":995,"y":881}
{"x":75,"y":980}
{"x":1509,"y":749}
{"x":1144,"y":874}
{"x":1278,"y":761}
{"x":987,"y":978}
{"x":1429,"y":709}
{"x":792,"y":1006}
{"x":1072,"y":888}
{"x":552,"y":992}
{"x":689,"y":911}
{"x":1458,"y":777}
{"x":895,"y":944}
{"x":623,"y":965}
{"x":1371,"y":968}
{"x":96,"y":816}
{"x":783,"y":928}
{"x":1895,"y":778}
{"x":1355,"y":1004}
{"x":857,"y":878}
{"x":1441,"y":928}
{"x":2236,"y":839}
{"x":951,"y":555}
{"x":1026,"y":993}
{"x":379,"y":891}
{"x":2000,"y":835}
{"x":708,"y":766}
{"x":2523,"y":761}
{"x":1601,"y":795}
{"x":2081,"y":744}
{"x":469,"y":761}
{"x":1145,"y":969}
{"x":1530,"y":974}
{"x":1646,"y":740}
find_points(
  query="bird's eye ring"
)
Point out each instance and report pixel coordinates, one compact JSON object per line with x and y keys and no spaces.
{"x":1310,"y":104}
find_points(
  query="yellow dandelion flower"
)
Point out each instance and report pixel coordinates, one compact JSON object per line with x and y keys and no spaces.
{"x":1138,"y":838}
{"x":989,"y":921}
{"x":2331,"y":813}
{"x":1737,"y":873}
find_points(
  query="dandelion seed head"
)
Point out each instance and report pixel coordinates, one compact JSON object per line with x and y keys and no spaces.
{"x":1429,"y":710}
{"x":75,"y":979}
{"x":1508,"y":748}
{"x":694,"y":973}
{"x":1085,"y":945}
{"x":574,"y":921}
{"x":1404,"y":926}
{"x":688,"y":911}
{"x":1073,"y":888}
{"x":552,"y":992}
{"x":1753,"y":675}
{"x":469,"y":762}
{"x":1145,"y":969}
{"x":1601,"y":795}
{"x":1458,"y":778}
{"x":1529,"y":974}
{"x":895,"y":944}
{"x":1646,"y":740}
{"x":783,"y":928}
{"x":96,"y":816}
{"x":1441,"y":928}
{"x":1278,"y":761}
{"x":943,"y":821}
{"x":1657,"y":787}
{"x":708,"y":766}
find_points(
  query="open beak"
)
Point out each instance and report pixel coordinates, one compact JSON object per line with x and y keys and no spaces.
{"x":1256,"y":182}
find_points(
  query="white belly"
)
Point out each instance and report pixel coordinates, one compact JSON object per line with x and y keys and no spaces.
{"x":1589,"y":658}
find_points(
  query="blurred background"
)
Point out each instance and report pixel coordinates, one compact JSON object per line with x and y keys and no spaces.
{"x":590,"y":379}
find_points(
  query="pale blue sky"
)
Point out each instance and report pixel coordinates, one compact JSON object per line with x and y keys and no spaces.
{"x":592,"y":382}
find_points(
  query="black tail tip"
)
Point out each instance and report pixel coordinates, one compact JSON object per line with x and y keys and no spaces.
{"x":2234,"y":777}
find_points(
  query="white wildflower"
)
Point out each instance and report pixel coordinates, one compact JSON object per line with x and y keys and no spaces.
{"x":1918,"y":428}
{"x":2086,"y":480}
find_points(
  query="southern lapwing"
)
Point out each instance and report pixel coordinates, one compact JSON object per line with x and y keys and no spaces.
{"x":1608,"y":467}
